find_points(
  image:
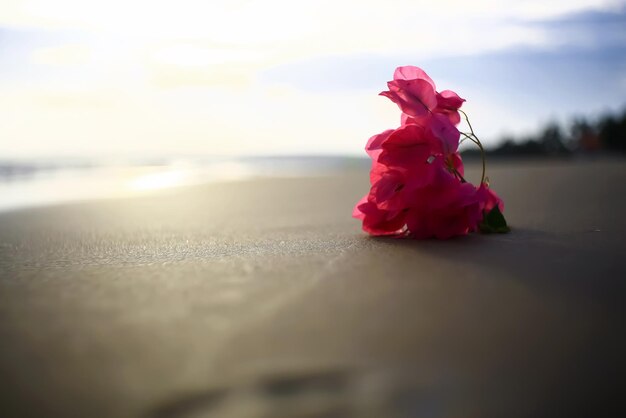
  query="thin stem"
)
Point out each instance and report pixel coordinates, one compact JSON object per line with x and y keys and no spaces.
{"x":477,"y":142}
{"x":468,"y":122}
{"x":459,"y":174}
{"x":468,"y":136}
{"x":482,"y":152}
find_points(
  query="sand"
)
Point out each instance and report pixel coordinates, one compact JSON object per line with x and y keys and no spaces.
{"x":263,"y":298}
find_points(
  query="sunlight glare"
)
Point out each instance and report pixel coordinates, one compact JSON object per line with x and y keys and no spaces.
{"x":159,"y":180}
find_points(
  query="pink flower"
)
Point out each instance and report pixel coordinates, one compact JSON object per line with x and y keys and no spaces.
{"x":417,"y":185}
{"x":378,"y":221}
{"x":409,"y":146}
{"x":488,"y":199}
{"x":440,"y":127}
{"x":391,"y":191}
{"x":449,"y":103}
{"x":445,"y":211}
{"x":413,"y":150}
{"x":415,"y":93}
{"x":375,"y":143}
{"x":444,"y":208}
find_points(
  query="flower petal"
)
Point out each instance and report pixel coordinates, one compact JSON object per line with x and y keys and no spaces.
{"x":410,"y":72}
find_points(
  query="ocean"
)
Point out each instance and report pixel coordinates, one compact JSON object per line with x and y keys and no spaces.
{"x":45,"y":182}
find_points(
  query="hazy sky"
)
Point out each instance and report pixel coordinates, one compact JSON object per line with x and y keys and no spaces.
{"x":123,"y":77}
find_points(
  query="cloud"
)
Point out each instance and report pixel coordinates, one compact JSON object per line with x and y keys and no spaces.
{"x":578,"y":69}
{"x":299,"y":29}
{"x":278,"y":77}
{"x":69,"y":55}
{"x":584,"y":46}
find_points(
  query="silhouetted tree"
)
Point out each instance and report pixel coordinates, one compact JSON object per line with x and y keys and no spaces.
{"x":551,"y":140}
{"x":612,"y":132}
{"x":583,"y":136}
{"x":608,"y":133}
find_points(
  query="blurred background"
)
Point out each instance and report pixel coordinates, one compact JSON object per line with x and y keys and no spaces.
{"x":118,"y":97}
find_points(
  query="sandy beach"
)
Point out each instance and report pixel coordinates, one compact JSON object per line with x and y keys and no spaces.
{"x":263,"y":298}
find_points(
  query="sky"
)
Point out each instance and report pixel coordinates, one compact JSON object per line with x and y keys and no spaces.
{"x":155,"y":78}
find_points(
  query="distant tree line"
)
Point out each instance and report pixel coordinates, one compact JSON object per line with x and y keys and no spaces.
{"x":582,"y":135}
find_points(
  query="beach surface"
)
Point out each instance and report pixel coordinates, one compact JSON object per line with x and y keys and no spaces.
{"x":263,"y":298}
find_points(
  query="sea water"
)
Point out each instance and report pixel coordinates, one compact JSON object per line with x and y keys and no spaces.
{"x":38,"y":183}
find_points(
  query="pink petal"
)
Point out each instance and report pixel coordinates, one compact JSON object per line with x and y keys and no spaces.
{"x":489,"y":199}
{"x":388,"y":191}
{"x":382,"y":222}
{"x":446,"y":132}
{"x":410,"y":72}
{"x":413,"y":97}
{"x":449,"y":100}
{"x":356,"y":212}
{"x":374,"y":144}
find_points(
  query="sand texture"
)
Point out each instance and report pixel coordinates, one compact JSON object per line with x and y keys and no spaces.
{"x":263,"y":298}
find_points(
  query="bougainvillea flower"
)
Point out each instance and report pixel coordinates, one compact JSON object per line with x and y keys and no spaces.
{"x":416,"y":98}
{"x":374,"y":144}
{"x":442,"y":129}
{"x":445,"y":212}
{"x":408,"y":145}
{"x":413,"y":150}
{"x":389,"y":192}
{"x":411,"y":72}
{"x":378,"y":221}
{"x":488,"y":199}
{"x":449,"y":103}
{"x":416,"y":95}
{"x":417,"y":184}
{"x":438,"y":126}
{"x":454,"y":162}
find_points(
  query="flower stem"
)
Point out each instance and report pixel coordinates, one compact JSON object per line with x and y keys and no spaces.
{"x":459,"y":174}
{"x":476,"y":141}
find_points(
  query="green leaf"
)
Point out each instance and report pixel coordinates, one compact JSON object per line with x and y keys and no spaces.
{"x":494,"y":223}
